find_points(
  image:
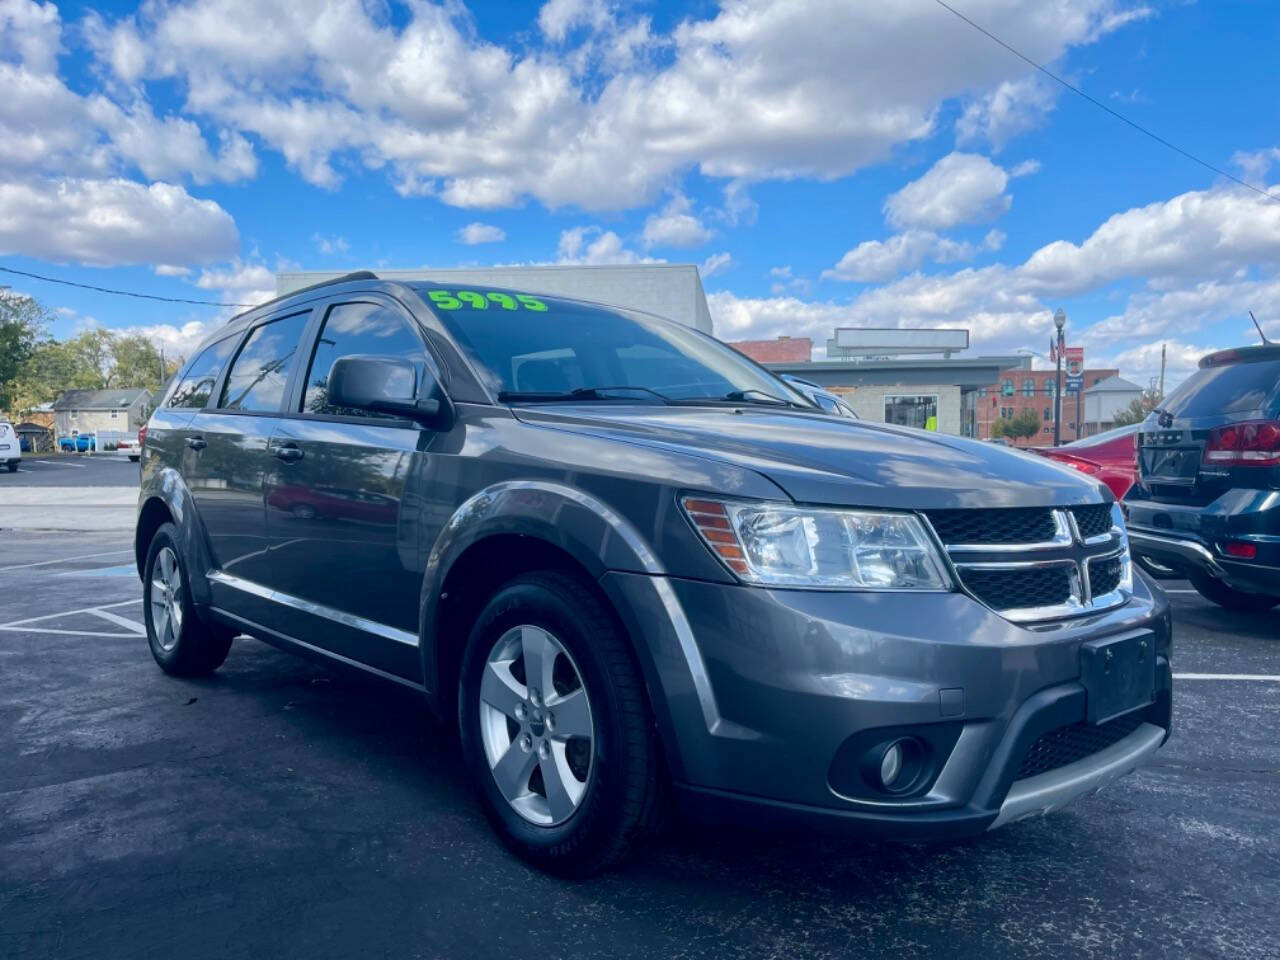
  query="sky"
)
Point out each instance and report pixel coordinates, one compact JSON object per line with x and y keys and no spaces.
{"x":825,"y":162}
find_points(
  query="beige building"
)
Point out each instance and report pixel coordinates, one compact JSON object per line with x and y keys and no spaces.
{"x":90,"y":411}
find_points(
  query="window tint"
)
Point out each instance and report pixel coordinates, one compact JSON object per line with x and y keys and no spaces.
{"x":565,"y":345}
{"x":197,"y":383}
{"x":367,"y":329}
{"x":1232,"y":388}
{"x":260,"y":371}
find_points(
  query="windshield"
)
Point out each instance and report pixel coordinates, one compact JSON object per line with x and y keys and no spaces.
{"x":549,"y":347}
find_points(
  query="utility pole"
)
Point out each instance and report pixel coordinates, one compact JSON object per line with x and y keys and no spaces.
{"x":1162,"y":352}
{"x":1059,"y":321}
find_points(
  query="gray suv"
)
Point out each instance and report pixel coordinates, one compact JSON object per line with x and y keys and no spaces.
{"x":639,"y":571}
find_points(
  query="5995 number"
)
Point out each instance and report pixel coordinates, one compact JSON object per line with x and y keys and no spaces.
{"x":474,"y":300}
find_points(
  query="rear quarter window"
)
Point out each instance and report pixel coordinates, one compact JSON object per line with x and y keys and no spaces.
{"x":1237,"y":388}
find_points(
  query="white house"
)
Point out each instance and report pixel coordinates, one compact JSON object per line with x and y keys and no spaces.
{"x":1104,"y":400}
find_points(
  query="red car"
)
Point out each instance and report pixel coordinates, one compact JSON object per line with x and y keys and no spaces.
{"x":1110,"y":457}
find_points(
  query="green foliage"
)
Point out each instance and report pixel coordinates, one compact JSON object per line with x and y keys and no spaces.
{"x":22,"y":322}
{"x":1025,"y":424}
{"x":35,"y":369}
{"x":1138,"y":408}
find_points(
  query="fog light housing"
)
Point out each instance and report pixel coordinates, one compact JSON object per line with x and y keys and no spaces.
{"x":891,"y":765}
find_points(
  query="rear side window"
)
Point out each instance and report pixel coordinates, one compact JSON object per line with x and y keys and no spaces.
{"x":366,"y":329}
{"x":196,"y":385}
{"x":1242,"y":388}
{"x":260,"y":370}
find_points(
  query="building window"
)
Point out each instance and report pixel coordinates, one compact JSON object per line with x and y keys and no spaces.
{"x":74,"y":414}
{"x":1049,"y":387}
{"x":1048,"y":413}
{"x":1029,"y":387}
{"x":920,"y":412}
{"x":1006,"y":387}
{"x":982,"y":391}
{"x":115,"y":414}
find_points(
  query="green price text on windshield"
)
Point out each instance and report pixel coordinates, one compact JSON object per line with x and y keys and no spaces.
{"x":474,"y":300}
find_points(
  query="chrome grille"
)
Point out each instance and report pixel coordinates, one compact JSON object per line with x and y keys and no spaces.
{"x":1032,"y":564}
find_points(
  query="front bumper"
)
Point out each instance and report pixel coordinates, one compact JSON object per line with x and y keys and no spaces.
{"x":758,"y":692}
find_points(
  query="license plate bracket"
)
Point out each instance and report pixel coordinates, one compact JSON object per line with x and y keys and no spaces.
{"x":1119,"y":675}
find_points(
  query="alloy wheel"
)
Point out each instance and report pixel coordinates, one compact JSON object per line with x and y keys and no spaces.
{"x":536,"y":726}
{"x":165,"y":597}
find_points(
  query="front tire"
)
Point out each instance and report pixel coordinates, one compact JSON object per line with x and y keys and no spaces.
{"x":1229,"y":597}
{"x":13,"y":467}
{"x":556,"y":729}
{"x":181,"y":643}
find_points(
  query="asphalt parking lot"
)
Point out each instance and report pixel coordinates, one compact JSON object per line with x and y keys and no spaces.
{"x":280,"y":809}
{"x":71,"y":470}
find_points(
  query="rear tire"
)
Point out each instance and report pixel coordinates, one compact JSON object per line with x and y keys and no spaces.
{"x":1229,"y":597}
{"x":13,"y":467}
{"x":609,"y":769}
{"x":181,"y":643}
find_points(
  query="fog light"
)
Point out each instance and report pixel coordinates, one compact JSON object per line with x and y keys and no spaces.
{"x":891,"y":765}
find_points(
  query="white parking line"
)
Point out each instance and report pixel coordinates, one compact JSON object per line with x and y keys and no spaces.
{"x":125,"y":622}
{"x":59,"y":463}
{"x":1262,"y":677}
{"x":83,"y":556}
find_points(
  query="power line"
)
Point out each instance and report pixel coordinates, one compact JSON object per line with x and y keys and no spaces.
{"x":1098,"y":103}
{"x":123,"y":293}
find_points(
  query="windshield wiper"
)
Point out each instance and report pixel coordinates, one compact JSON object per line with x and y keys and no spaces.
{"x":758,"y":396}
{"x":581,"y":393}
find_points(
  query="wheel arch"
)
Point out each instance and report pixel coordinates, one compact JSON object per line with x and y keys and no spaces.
{"x":509,"y":529}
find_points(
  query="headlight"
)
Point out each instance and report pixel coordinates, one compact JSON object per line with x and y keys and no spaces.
{"x":783,"y":546}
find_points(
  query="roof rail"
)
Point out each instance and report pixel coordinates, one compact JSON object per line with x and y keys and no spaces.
{"x":345,"y":278}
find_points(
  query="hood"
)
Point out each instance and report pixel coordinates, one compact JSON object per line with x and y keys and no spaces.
{"x":821,"y":459}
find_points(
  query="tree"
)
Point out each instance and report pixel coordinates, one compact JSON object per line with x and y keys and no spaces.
{"x":1138,"y":408}
{"x":136,"y":363}
{"x":1025,"y":424}
{"x":22,"y":322}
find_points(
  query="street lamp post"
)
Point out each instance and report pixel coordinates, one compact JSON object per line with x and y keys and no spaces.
{"x":1059,"y":321}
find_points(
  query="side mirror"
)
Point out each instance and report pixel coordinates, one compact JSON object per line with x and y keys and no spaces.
{"x":384,"y":384}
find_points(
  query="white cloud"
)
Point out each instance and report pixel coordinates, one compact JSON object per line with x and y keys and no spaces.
{"x":178,"y":340}
{"x":960,"y":188}
{"x":474,"y":233}
{"x":593,"y":246}
{"x":330,"y":246}
{"x":1010,"y":110}
{"x":759,"y":89}
{"x":240,"y":282}
{"x":675,"y":226}
{"x":112,"y":222}
{"x":878,"y":260}
{"x":1256,"y":164}
{"x":717,"y":263}
{"x":170,"y":270}
{"x":1201,"y":233}
{"x":1025,"y":169}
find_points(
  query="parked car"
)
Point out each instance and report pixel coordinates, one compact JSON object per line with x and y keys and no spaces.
{"x":823,"y":399}
{"x":631,"y":565}
{"x":80,"y":443}
{"x":129,"y":447}
{"x":10,"y":447}
{"x":1207,"y":500}
{"x":1110,"y":457}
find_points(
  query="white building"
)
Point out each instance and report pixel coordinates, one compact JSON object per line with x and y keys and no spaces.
{"x":1104,"y":400}
{"x":672,"y":290}
{"x":88,"y":411}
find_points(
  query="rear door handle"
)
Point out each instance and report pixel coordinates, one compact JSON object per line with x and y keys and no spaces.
{"x":288,"y":452}
{"x":196,"y":443}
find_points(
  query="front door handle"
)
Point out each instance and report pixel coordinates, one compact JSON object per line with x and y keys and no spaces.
{"x":197,"y":443}
{"x":288,"y":452}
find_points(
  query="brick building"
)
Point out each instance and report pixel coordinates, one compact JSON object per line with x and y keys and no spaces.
{"x":1020,"y":389}
{"x":782,"y":350}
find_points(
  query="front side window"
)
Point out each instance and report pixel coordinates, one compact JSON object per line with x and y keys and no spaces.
{"x":365,"y":329}
{"x":197,"y":382}
{"x":556,"y":346}
{"x":260,"y":371}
